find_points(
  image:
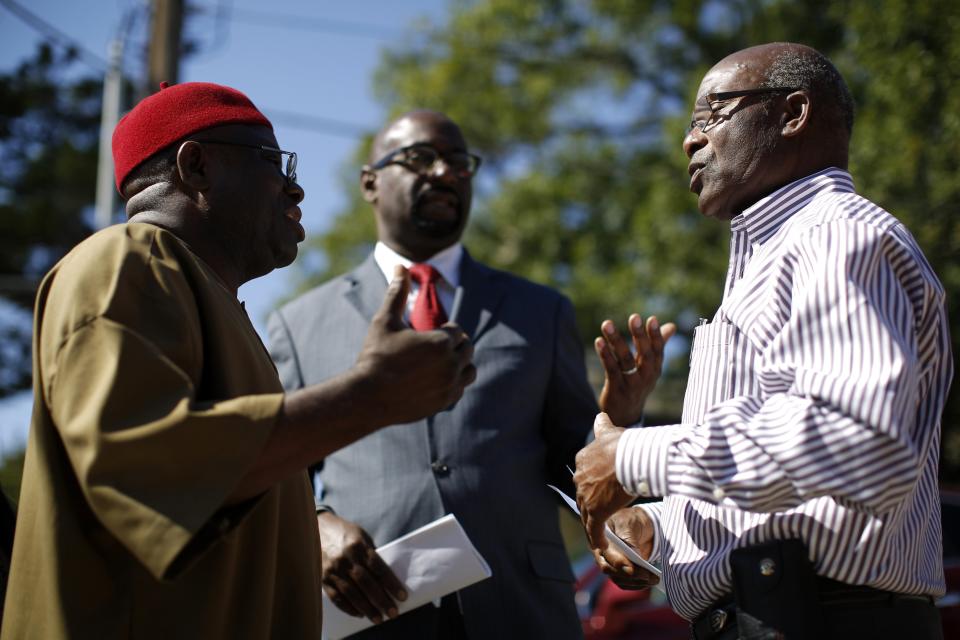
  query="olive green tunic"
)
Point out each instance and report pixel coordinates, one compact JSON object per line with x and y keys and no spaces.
{"x":153,"y":396}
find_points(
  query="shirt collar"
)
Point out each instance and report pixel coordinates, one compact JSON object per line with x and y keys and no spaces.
{"x":765,"y":217}
{"x":447,"y":262}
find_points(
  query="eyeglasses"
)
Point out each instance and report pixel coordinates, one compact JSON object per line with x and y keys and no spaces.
{"x":714,"y":102}
{"x":422,"y":159}
{"x":289,"y":167}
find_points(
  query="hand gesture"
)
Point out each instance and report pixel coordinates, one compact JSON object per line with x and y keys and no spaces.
{"x":630,"y":378}
{"x":355,"y":577}
{"x":414,"y":374}
{"x":636,"y":529}
{"x":599,"y":493}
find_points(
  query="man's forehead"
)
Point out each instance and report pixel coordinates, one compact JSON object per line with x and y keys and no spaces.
{"x":730,"y":76}
{"x":433,"y":130}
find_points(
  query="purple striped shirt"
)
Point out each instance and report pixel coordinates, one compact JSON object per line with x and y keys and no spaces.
{"x":813,"y":404}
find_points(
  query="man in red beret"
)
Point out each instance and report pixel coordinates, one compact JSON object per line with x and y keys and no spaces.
{"x":163,"y":492}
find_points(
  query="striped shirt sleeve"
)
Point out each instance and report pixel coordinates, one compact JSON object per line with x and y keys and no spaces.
{"x":839,"y":376}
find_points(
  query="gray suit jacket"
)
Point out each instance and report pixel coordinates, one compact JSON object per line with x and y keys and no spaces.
{"x":487,"y":459}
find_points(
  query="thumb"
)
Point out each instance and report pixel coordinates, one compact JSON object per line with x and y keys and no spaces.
{"x":667,"y":331}
{"x":602,"y":424}
{"x":395,"y":300}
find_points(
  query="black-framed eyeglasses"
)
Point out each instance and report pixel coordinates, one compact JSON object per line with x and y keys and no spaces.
{"x":715,"y":100}
{"x":422,"y":159}
{"x":290,"y":157}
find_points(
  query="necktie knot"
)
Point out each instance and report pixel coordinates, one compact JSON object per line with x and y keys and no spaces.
{"x":424,"y":274}
{"x":427,"y":313}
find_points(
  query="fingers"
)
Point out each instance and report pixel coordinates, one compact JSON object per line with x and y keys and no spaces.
{"x":657,"y":338}
{"x":611,"y":367}
{"x":395,"y":300}
{"x":642,"y":343}
{"x":612,"y":560}
{"x":618,"y":345}
{"x":367,"y":588}
{"x":354,"y":576}
{"x":668,"y":331}
{"x":463,"y":352}
{"x":595,"y":529}
{"x":385,"y":576}
{"x":602,"y":424}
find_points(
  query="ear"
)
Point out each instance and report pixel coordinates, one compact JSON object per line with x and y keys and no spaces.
{"x":368,"y":185}
{"x":796,"y":114}
{"x":193,"y":166}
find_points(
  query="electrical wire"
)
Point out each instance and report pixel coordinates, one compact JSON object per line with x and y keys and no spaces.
{"x":308,"y":23}
{"x":317,"y":124}
{"x":55,"y":35}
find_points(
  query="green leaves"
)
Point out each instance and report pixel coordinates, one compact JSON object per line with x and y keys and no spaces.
{"x":578,"y":108}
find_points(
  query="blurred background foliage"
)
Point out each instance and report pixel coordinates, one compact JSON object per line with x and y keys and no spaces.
{"x":578,"y":108}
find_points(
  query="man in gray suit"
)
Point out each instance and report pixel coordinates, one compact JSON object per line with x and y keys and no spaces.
{"x":486,"y":459}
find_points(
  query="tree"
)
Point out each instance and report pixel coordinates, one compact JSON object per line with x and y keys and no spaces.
{"x":49,"y":123}
{"x":579,"y":108}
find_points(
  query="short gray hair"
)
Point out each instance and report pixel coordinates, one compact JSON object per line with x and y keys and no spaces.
{"x":811,"y":70}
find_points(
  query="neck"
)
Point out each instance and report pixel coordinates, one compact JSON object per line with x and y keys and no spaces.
{"x":195,"y":234}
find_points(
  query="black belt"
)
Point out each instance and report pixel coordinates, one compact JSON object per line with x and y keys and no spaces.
{"x":722,"y":615}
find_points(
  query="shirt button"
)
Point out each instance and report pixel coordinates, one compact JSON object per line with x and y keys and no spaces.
{"x":643,"y":488}
{"x":719,"y":493}
{"x":440,"y":468}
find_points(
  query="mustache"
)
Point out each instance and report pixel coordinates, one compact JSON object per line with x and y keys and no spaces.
{"x":433,"y":190}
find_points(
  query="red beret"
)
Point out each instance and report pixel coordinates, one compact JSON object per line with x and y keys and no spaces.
{"x":173,"y":113}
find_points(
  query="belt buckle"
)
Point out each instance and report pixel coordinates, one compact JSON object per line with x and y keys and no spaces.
{"x":718,"y":620}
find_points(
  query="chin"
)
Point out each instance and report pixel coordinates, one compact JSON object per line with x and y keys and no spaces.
{"x":286,"y":258}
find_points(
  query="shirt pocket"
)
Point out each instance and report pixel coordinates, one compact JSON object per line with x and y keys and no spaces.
{"x":711,"y":361}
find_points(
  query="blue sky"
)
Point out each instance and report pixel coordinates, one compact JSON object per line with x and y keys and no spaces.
{"x":314,"y":58}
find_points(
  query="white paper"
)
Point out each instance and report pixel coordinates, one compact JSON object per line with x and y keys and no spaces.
{"x":433,"y":561}
{"x":623,"y":546}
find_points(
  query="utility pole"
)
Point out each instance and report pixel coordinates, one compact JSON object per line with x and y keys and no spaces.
{"x":109,"y":115}
{"x":163,"y":58}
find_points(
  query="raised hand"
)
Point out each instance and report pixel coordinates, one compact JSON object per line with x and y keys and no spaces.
{"x":629,"y":378}
{"x":355,"y":577}
{"x":414,"y":373}
{"x":599,"y":493}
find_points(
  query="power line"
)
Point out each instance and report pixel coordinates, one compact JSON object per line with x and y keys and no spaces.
{"x":317,"y":123}
{"x":56,"y":35}
{"x":308,"y":23}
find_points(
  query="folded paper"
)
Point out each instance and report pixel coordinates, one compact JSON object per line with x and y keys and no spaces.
{"x":432,"y":561}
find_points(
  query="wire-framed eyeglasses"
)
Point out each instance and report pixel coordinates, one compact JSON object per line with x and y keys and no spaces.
{"x":715,"y":100}
{"x":422,"y":159}
{"x":288,"y":158}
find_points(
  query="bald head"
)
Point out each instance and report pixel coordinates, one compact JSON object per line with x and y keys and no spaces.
{"x":399,"y":130}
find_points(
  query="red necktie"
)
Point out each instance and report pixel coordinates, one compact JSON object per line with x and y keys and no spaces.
{"x":427,"y":311}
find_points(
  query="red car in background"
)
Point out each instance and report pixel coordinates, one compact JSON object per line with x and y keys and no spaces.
{"x":608,"y":612}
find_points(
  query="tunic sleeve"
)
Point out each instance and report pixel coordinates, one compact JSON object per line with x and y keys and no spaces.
{"x":154,"y":463}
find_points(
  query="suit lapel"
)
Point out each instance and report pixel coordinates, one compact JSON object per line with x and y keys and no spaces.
{"x":366,"y":287}
{"x":480,"y":294}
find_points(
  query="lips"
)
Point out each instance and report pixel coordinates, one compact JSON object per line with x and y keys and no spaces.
{"x":294,"y":215}
{"x":695,"y":169}
{"x":440,"y":205}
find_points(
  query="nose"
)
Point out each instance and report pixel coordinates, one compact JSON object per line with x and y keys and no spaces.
{"x":443,"y":172}
{"x":693,"y":141}
{"x":295,"y":191}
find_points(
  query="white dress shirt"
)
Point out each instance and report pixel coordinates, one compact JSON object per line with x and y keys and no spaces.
{"x":447,"y":263}
{"x":813,"y":404}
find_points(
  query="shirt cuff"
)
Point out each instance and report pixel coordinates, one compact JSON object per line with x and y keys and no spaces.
{"x":641,"y":461}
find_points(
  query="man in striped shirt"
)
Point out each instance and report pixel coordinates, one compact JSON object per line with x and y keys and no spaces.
{"x":813,"y":405}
